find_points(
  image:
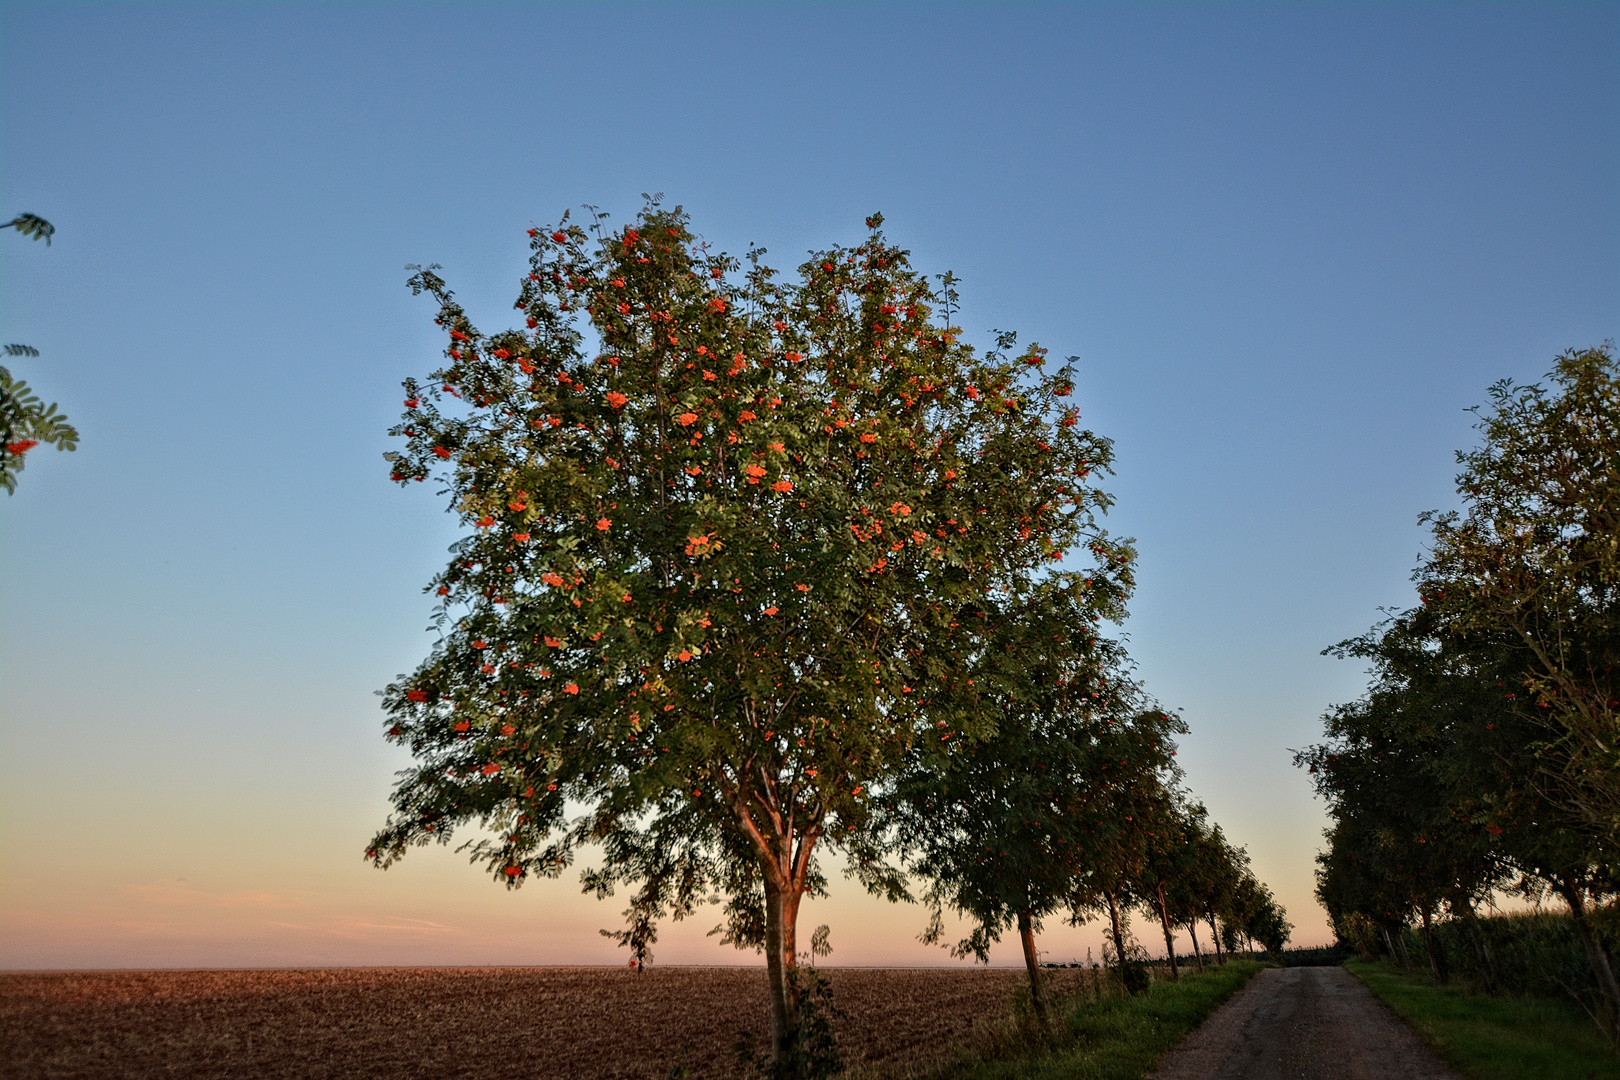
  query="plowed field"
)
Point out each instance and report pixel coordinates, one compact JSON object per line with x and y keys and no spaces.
{"x":398,"y":1023}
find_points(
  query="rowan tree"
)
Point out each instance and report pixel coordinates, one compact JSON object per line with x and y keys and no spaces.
{"x":1269,"y":925}
{"x":1496,"y":694}
{"x":1196,"y":871}
{"x":25,"y":420}
{"x":730,"y":537}
{"x":1443,"y":783}
{"x":1136,"y":772}
{"x":999,"y":826}
{"x":1535,"y":557}
{"x":1217,"y":869}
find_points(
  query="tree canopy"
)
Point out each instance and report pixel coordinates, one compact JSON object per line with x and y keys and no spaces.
{"x":1485,"y":753}
{"x":736,"y":547}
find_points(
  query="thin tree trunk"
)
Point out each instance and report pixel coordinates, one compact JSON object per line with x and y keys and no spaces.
{"x":1037,"y":987}
{"x":1220,"y":957}
{"x":1119,"y":938}
{"x":1400,"y":939}
{"x":1192,"y":928}
{"x":1437,"y":960}
{"x":1389,"y":943}
{"x":1596,"y":954}
{"x":1169,"y":939}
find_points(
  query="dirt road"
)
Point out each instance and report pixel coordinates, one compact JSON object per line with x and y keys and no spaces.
{"x":1303,"y":1023}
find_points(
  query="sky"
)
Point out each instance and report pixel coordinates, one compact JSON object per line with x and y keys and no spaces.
{"x":1290,"y":245}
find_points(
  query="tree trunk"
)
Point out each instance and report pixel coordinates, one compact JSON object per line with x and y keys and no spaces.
{"x":1169,"y":938}
{"x":1437,"y":959}
{"x":1192,"y":928}
{"x":1389,"y":943}
{"x":1119,"y":935}
{"x":781,"y":960}
{"x":783,"y":849}
{"x":1220,"y":957}
{"x":1037,"y":987}
{"x":1596,"y":954}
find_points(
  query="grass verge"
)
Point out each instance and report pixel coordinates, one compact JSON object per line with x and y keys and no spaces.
{"x":1501,"y":1038}
{"x":1115,"y":1038}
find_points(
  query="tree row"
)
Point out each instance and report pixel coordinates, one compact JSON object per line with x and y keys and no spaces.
{"x":1484,"y":758}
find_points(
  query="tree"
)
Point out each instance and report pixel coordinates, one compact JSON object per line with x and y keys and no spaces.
{"x":1269,"y":925}
{"x":1528,"y":577}
{"x":1218,"y":869}
{"x":1170,"y":859}
{"x":1199,"y":871}
{"x":1137,"y":769}
{"x":727,"y":554}
{"x":1536,"y":557}
{"x":26,"y":421}
{"x":999,"y":826}
{"x":1487,"y":743}
{"x":1388,"y":783}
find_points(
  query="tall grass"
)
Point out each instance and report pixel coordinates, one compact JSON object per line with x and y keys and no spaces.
{"x":1501,"y":1038}
{"x":1532,"y":954}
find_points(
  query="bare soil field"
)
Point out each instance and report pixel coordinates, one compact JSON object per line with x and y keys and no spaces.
{"x":399,"y":1023}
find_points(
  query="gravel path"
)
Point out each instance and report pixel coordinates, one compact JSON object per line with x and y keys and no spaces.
{"x":1303,"y":1023}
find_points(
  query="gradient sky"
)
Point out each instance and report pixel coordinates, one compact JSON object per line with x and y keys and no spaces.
{"x":1290,"y":243}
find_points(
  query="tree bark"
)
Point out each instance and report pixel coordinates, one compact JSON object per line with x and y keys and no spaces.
{"x":1037,"y":986}
{"x":1169,"y":938}
{"x":783,"y":852}
{"x":1389,"y":943}
{"x":1198,"y":954}
{"x":1119,"y":935}
{"x":781,"y":960}
{"x":1220,"y":957}
{"x":1596,"y":954}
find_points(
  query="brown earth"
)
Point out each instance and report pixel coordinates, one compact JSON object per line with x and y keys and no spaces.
{"x":399,"y":1023}
{"x":1303,"y":1023}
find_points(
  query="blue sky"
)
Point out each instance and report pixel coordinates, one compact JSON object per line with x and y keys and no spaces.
{"x":1290,"y":244}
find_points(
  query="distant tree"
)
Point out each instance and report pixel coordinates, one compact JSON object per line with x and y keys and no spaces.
{"x":1415,"y":780}
{"x":1219,"y":868}
{"x":1162,"y":842}
{"x":1246,"y":913}
{"x":1269,"y":925}
{"x":731,"y":557}
{"x":25,"y":420}
{"x":999,"y":826}
{"x":1199,"y":868}
{"x":1137,"y":771}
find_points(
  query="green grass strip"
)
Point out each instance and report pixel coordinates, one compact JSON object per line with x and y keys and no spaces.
{"x":1500,"y":1038}
{"x":1121,"y":1038}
